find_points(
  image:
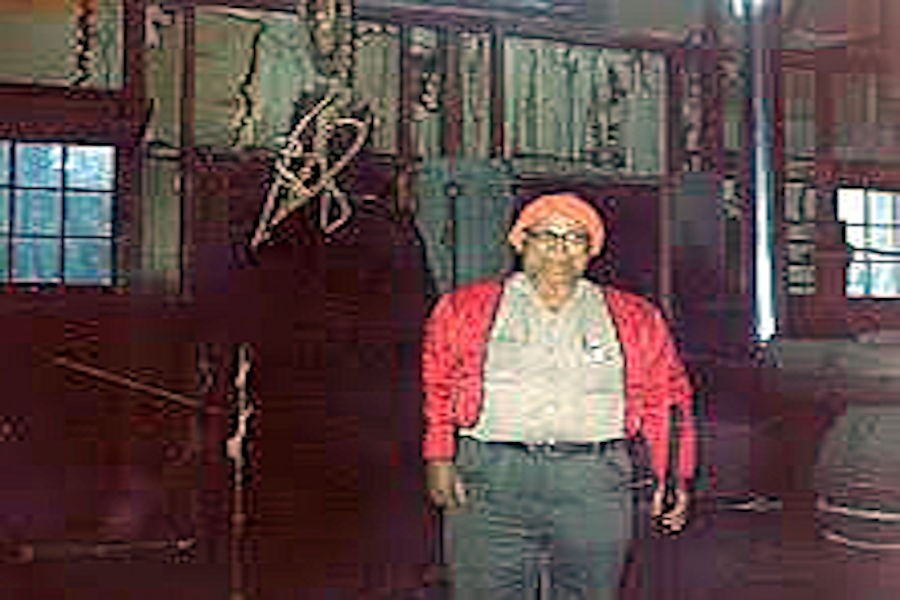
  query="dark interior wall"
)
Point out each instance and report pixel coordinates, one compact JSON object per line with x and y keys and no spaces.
{"x":335,"y":322}
{"x":873,"y":315}
{"x":90,"y":461}
{"x":698,"y":276}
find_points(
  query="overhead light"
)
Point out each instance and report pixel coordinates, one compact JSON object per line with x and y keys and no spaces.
{"x":738,"y":7}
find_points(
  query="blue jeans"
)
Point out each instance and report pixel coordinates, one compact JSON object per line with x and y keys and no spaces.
{"x":540,"y":521}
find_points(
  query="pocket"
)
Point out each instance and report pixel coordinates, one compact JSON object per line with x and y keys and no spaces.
{"x":468,"y":455}
{"x":603,"y":378}
{"x":474,"y":497}
{"x":505,"y":362}
{"x":619,"y":463}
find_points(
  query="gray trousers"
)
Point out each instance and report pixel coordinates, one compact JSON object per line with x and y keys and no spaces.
{"x":537,"y":523}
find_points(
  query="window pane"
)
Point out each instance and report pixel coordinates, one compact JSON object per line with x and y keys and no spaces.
{"x":857,"y":276}
{"x":91,"y":167}
{"x":886,"y":239}
{"x":88,"y":214}
{"x":885,"y":279}
{"x":878,"y":237}
{"x":4,"y":211}
{"x":39,"y":165}
{"x":856,"y":236}
{"x":850,"y":205}
{"x":800,"y":254}
{"x":881,"y":207}
{"x":38,"y":212}
{"x":862,"y":256}
{"x":89,"y":261}
{"x":802,"y":275}
{"x":4,"y":161}
{"x":36,"y":260}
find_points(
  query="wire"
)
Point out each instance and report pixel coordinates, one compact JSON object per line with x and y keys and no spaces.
{"x":296,"y":179}
{"x":874,"y":251}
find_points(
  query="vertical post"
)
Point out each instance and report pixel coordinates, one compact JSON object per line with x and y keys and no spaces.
{"x":205,"y":382}
{"x":671,"y":180}
{"x":497,"y":98}
{"x":188,"y":154}
{"x":451,"y":141}
{"x":236,"y":450}
{"x":406,"y":201}
{"x":130,"y":158}
{"x":825,"y":121}
{"x":452,"y":126}
{"x":760,"y":46}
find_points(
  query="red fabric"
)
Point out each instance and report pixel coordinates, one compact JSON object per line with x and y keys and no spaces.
{"x":655,"y":380}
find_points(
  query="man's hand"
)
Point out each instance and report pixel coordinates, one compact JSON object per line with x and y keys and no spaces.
{"x":444,"y":486}
{"x":673,"y":520}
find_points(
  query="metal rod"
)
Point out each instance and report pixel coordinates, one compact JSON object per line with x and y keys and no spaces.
{"x":132,"y":384}
{"x":206,"y":381}
{"x":69,"y":549}
{"x":235,"y":448}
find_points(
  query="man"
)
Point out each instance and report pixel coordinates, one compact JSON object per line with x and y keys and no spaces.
{"x":536,"y":387}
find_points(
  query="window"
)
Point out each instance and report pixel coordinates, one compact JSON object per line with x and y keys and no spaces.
{"x":576,"y":107}
{"x":57,"y":205}
{"x":873,"y":232}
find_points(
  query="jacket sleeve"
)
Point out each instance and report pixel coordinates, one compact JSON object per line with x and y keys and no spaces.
{"x":667,"y":386}
{"x":439,"y":359}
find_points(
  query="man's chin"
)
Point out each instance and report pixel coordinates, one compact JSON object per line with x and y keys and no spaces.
{"x":559,"y":277}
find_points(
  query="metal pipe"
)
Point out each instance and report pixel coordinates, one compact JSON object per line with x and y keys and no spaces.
{"x":130,"y":383}
{"x":761,"y":182}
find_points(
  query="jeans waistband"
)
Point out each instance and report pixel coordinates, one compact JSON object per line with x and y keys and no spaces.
{"x":560,"y":448}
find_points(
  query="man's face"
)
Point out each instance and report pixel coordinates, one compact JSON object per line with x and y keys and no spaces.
{"x":556,"y":251}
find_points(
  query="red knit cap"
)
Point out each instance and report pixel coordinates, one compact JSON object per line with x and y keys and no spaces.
{"x":567,"y":205}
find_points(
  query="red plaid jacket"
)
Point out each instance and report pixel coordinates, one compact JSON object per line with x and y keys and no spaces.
{"x":455,"y":343}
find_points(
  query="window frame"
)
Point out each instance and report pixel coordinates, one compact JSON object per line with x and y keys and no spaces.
{"x":91,"y":116}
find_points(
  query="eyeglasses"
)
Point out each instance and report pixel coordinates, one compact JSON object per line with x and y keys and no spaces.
{"x":570,"y":240}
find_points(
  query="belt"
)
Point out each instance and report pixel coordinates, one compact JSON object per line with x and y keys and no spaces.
{"x":562,"y":448}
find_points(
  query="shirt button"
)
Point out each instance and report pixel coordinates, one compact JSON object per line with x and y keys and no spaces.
{"x":551,"y":409}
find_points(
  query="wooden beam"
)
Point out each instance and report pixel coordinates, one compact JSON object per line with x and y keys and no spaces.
{"x":188,"y":152}
{"x":497,"y":108}
{"x":550,"y":26}
{"x":449,"y":47}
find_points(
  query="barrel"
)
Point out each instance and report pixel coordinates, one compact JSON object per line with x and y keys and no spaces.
{"x":857,"y":479}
